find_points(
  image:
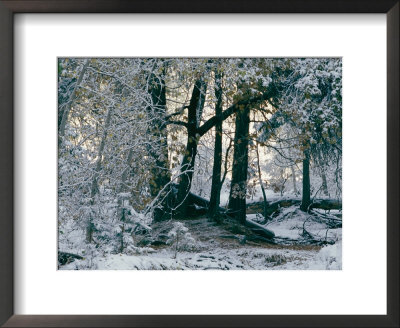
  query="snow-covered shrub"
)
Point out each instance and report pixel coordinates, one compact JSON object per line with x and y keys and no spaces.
{"x":113,"y":221}
{"x":180,"y":238}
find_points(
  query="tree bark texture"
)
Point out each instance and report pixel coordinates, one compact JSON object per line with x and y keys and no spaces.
{"x":237,"y":196}
{"x":196,"y":104}
{"x":305,"y":202}
{"x":216,"y":175}
{"x":160,"y":171}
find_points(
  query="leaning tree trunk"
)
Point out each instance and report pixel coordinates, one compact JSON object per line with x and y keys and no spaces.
{"x":186,"y":174}
{"x":237,"y":196}
{"x":306,"y":201}
{"x":216,"y":176}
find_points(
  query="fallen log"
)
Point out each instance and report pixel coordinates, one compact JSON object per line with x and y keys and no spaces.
{"x":65,"y":258}
{"x":259,"y":229}
{"x":324,"y":204}
{"x":258,"y":207}
{"x":199,"y":206}
{"x":203,"y":203}
{"x":327,"y":204}
{"x":197,"y":200}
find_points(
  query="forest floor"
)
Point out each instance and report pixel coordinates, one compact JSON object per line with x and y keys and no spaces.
{"x":206,"y":245}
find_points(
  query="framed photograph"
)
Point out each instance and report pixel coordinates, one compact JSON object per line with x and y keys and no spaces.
{"x":192,"y":164}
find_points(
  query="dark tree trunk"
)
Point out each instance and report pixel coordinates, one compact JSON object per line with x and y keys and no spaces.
{"x":199,"y":131}
{"x":305,"y":202}
{"x":185,"y":182}
{"x":237,"y":196}
{"x":160,"y":171}
{"x":216,"y":177}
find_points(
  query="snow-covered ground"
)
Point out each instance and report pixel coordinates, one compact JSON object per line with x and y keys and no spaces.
{"x":328,"y":258}
{"x":204,"y":245}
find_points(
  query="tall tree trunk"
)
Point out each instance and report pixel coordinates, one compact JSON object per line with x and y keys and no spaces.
{"x":216,"y":175}
{"x":94,"y":187}
{"x":185,"y":182}
{"x":160,"y":171}
{"x":196,"y":104}
{"x":237,"y":196}
{"x":305,"y":202}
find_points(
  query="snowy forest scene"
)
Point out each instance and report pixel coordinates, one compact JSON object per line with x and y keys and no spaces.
{"x":199,"y":164}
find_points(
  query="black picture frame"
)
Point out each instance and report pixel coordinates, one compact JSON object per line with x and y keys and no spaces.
{"x":10,"y":7}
